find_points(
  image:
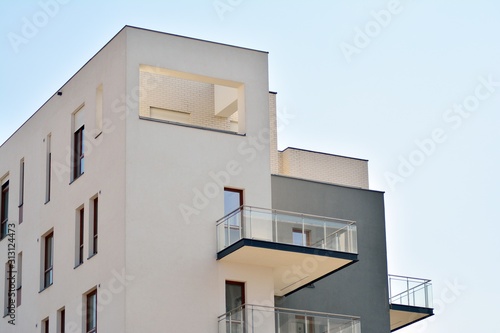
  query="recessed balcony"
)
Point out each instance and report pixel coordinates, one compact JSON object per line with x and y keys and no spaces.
{"x":410,"y":300}
{"x":300,"y":248}
{"x":263,"y":319}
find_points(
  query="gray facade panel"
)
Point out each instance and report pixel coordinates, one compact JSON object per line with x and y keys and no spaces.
{"x":360,"y":289}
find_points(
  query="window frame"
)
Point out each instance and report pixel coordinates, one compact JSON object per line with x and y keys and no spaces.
{"x":61,"y":320}
{"x":19,"y":286}
{"x":80,"y":235}
{"x":21,"y":191}
{"x":94,"y":227}
{"x":78,"y":152}
{"x":4,"y":210}
{"x":45,"y":325}
{"x":91,"y":308}
{"x":48,"y":258}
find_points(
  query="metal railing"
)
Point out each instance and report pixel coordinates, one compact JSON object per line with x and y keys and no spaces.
{"x":288,"y":228}
{"x":410,"y":291}
{"x":250,"y":318}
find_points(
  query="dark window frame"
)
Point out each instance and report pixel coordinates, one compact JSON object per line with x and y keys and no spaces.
{"x":91,"y":313}
{"x":48,"y":262}
{"x":95,"y":225}
{"x":4,"y":210}
{"x":78,"y":152}
{"x":21,"y":191}
{"x":81,"y":230}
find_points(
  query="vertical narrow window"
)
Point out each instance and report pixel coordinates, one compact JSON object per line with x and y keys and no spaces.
{"x":94,"y":225}
{"x":61,"y":321}
{"x":48,"y":167}
{"x":45,"y":325}
{"x":4,"y":210}
{"x":91,"y":319}
{"x":21,"y":190}
{"x":78,"y":151}
{"x":19,"y":278}
{"x":98,"y":109}
{"x":9,"y":292}
{"x":233,"y":200}
{"x":235,"y":301}
{"x":80,"y":222}
{"x":48,"y":262}
{"x":78,"y":148}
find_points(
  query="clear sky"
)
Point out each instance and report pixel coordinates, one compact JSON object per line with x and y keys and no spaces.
{"x":412,"y":86}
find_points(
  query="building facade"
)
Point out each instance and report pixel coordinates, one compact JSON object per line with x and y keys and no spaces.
{"x":148,"y":195}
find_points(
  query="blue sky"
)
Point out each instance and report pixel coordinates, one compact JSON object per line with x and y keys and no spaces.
{"x":412,"y":86}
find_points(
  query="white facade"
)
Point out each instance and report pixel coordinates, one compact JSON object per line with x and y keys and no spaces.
{"x":169,"y":122}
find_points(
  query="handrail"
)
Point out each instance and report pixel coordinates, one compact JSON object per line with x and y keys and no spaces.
{"x":273,"y":309}
{"x":219,"y":221}
{"x":408,"y":277}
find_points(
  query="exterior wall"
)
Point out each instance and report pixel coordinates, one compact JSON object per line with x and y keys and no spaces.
{"x":323,"y":167}
{"x":175,"y":189}
{"x":273,"y":126}
{"x":103,"y":176}
{"x":361,"y":288}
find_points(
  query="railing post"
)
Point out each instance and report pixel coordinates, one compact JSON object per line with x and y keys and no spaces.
{"x":243,"y":219}
{"x":274,"y":217}
{"x":408,"y":289}
{"x":278,"y":321}
{"x":324,"y":236}
{"x":227,"y":226}
{"x":303,"y":232}
{"x":426,"y":295}
{"x":390,"y":288}
{"x":252,"y":320}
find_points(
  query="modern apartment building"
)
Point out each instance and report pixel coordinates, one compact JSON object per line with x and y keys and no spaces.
{"x":148,"y":195}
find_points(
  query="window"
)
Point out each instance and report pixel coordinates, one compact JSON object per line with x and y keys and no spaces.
{"x":235,"y":300}
{"x":91,"y":319}
{"x":9,"y":294}
{"x":94,"y":204}
{"x":21,"y":190}
{"x":98,"y":109}
{"x":233,"y":199}
{"x":78,"y":143}
{"x":301,"y":237}
{"x":4,"y":210}
{"x":19,"y":278}
{"x":48,"y":167}
{"x":61,"y":321}
{"x":80,"y":221}
{"x":45,"y":325}
{"x":78,"y":162}
{"x":48,"y":260}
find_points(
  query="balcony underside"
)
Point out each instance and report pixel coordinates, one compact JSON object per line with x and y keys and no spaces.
{"x":294,"y":266}
{"x":404,"y":315}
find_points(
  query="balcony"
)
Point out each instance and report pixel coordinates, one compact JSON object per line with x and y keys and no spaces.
{"x":410,"y":300}
{"x":300,"y":248}
{"x":262,"y":319}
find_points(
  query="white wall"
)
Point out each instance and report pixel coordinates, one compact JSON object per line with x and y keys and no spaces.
{"x":174,"y":256}
{"x":104,"y":175}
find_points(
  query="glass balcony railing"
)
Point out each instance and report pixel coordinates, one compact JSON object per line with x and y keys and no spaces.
{"x":287,"y":228}
{"x":410,"y":291}
{"x":262,"y":319}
